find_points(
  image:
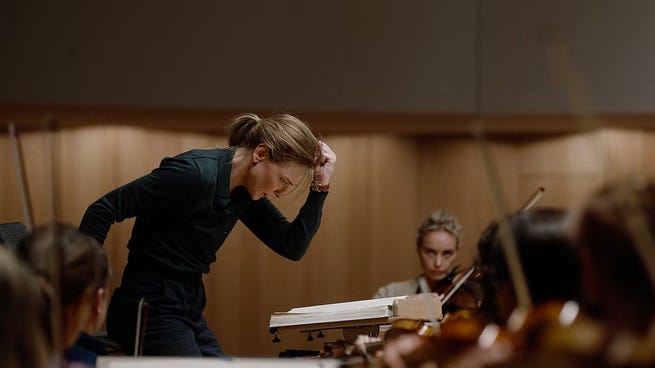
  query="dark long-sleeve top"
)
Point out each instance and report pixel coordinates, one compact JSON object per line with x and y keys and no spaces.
{"x":184,"y":211}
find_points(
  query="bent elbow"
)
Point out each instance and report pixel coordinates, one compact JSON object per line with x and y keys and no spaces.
{"x":296,"y":256}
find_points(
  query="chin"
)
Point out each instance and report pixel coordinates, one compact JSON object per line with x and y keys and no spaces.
{"x":436,"y":278}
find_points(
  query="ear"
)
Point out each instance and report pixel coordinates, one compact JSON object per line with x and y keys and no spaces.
{"x":97,"y":313}
{"x":100,"y":302}
{"x":260,"y":153}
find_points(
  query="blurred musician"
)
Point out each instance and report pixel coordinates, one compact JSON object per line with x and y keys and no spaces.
{"x":549,"y":262}
{"x":615,"y":235}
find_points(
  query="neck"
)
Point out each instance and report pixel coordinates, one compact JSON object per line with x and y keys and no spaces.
{"x":439,"y":286}
{"x":240,"y":166}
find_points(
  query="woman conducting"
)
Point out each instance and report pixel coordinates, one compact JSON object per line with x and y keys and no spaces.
{"x":186,"y":208}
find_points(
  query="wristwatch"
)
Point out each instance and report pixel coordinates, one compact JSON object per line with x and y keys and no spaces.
{"x":318,"y":187}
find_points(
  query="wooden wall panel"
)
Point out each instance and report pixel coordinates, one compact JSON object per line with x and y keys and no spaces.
{"x":569,"y":167}
{"x":624,"y":152}
{"x":393,"y":220}
{"x":647,"y":166}
{"x":39,"y":159}
{"x":11,"y":209}
{"x":453,"y":177}
{"x":89,"y":168}
{"x":575,"y":154}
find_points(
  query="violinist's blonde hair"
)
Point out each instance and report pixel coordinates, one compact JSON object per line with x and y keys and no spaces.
{"x":24,"y":339}
{"x":440,"y":220}
{"x":287,"y":137}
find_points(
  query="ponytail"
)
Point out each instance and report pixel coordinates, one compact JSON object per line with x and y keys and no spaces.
{"x":288,"y":138}
{"x":240,"y":131}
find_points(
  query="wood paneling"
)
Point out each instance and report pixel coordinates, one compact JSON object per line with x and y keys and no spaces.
{"x":10,"y":199}
{"x":647,"y":167}
{"x":454,"y":177}
{"x":568,"y":167}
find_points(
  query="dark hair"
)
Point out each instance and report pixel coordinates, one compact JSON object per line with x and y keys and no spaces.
{"x":287,"y":137}
{"x":615,"y":221}
{"x":70,"y":260}
{"x":549,"y":261}
{"x":25,"y":340}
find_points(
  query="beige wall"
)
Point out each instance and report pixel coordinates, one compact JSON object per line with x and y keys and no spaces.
{"x":383,"y":185}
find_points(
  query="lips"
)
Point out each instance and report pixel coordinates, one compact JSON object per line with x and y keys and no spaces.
{"x":438,"y":274}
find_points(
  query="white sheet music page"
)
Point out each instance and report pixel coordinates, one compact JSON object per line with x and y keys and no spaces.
{"x":347,"y":306}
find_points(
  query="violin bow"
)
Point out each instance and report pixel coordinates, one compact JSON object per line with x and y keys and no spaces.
{"x":536,"y":196}
{"x":507,"y":239}
{"x":459,"y":283}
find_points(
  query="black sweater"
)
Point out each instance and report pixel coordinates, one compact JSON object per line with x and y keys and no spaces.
{"x":184,"y":211}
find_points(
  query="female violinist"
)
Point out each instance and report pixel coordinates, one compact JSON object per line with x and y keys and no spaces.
{"x":548,"y":261}
{"x":437,"y":245}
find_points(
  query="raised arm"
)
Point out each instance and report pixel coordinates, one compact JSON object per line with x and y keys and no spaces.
{"x":291,"y":239}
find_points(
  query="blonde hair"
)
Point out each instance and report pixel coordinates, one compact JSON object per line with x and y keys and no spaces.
{"x":440,"y":220}
{"x":287,"y":137}
{"x":25,"y":336}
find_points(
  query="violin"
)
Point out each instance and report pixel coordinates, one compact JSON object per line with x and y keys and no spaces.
{"x":411,"y":326}
{"x":462,"y":337}
{"x":457,"y":302}
{"x":463,"y":298}
{"x":552,"y":334}
{"x":460,"y":342}
{"x":557,"y":330}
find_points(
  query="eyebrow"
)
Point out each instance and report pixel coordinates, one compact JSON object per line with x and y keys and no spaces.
{"x":288,"y":180}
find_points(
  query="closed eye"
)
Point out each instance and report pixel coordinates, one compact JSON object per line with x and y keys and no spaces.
{"x":286,"y":181}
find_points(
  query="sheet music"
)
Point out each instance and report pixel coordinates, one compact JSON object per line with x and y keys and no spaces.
{"x":347,"y":306}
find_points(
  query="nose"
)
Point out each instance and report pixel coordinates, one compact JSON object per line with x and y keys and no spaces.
{"x":438,"y":260}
